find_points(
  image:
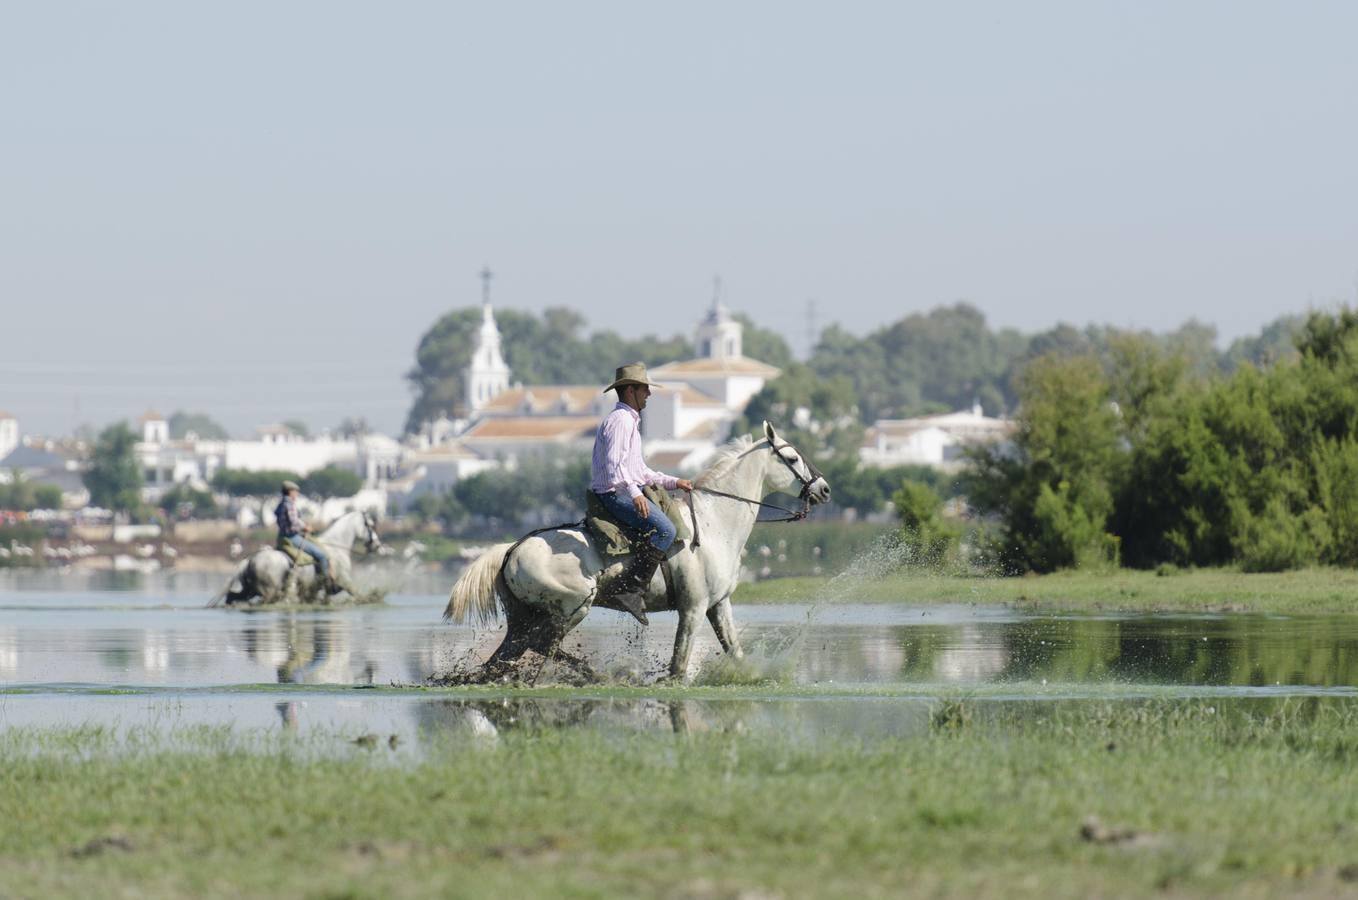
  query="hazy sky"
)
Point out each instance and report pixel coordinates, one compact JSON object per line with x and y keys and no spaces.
{"x":255,"y":209}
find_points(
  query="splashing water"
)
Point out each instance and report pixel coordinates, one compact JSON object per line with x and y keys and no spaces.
{"x":773,"y":658}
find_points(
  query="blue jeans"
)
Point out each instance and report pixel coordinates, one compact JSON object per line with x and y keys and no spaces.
{"x":310,"y":548}
{"x":656,"y":527}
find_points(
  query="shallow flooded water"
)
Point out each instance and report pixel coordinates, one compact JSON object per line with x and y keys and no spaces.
{"x":145,"y":651}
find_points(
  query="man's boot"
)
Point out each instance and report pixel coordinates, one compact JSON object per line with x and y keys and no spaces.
{"x":332,"y":585}
{"x":629,"y":588}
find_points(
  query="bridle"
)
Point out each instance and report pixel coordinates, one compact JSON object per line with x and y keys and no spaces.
{"x":370,"y":540}
{"x":792,"y":515}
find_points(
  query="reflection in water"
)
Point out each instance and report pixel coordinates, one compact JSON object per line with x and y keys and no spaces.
{"x":106,"y":638}
{"x":802,"y":719}
{"x":304,"y":649}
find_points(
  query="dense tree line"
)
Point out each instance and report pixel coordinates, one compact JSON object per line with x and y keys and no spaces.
{"x":182,"y":424}
{"x":21,"y":495}
{"x":924,"y":363}
{"x":331,"y":481}
{"x":546,"y":349}
{"x":949,"y":358}
{"x":538,"y":491}
{"x":1140,"y":459}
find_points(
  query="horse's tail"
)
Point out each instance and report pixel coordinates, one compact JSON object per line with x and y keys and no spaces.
{"x":474,"y":593}
{"x":235,"y":587}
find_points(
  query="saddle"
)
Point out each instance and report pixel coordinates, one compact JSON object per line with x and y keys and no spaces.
{"x":299,"y":558}
{"x":613,"y":539}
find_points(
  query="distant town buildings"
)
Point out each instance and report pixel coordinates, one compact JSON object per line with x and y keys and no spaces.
{"x":193,"y":461}
{"x":936,"y":441}
{"x":9,"y":434}
{"x":682,"y":424}
{"x":43,"y":462}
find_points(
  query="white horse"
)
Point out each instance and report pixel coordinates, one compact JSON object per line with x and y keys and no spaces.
{"x":263,"y":575}
{"x":549,"y":582}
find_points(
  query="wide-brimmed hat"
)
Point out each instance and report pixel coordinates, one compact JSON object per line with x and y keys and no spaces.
{"x":632,"y":373}
{"x":290,"y":486}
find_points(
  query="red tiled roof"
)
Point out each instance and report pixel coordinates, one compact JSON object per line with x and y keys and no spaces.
{"x":738,"y":365}
{"x":543,"y":398}
{"x":539,"y":428}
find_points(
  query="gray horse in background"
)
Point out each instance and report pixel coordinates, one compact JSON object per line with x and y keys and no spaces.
{"x":262,"y":578}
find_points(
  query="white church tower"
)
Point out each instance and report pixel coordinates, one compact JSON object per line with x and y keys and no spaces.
{"x":9,"y":434}
{"x":488,"y":373}
{"x":718,"y":333}
{"x":154,"y":428}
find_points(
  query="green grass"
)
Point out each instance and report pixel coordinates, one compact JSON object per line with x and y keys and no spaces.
{"x":989,"y":803}
{"x":1199,"y":590}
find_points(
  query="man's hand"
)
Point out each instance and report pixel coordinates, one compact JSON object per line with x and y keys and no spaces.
{"x":684,"y":484}
{"x":641,"y":506}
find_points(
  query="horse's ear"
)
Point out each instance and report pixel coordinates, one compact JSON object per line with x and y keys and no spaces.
{"x":770,"y":433}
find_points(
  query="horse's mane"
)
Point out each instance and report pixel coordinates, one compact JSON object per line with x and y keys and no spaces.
{"x":726,"y":457}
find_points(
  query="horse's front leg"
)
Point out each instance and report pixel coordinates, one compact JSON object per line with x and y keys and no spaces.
{"x":725,"y":627}
{"x":683,"y":642}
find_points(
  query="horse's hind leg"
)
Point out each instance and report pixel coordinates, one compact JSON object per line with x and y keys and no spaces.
{"x":524,"y":629}
{"x":547,"y":633}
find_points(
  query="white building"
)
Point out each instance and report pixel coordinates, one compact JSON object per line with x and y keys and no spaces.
{"x":721,"y":371}
{"x":9,"y":434}
{"x":48,"y":462}
{"x":936,"y":441}
{"x":165,"y":462}
{"x":488,"y":374}
{"x":437,"y":469}
{"x":684,"y":420}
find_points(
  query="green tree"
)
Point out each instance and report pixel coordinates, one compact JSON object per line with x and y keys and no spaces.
{"x":549,"y":349}
{"x":332,"y":481}
{"x":244,"y":483}
{"x":353,"y":427}
{"x":21,"y":494}
{"x":114,"y":477}
{"x":1052,"y":488}
{"x":185,"y":502}
{"x":763,"y":344}
{"x":537,"y":491}
{"x":1276,"y":342}
{"x":931,"y":538}
{"x":297,"y":427}
{"x":930,"y":362}
{"x":867,"y":488}
{"x":818,"y":415}
{"x":183,"y":423}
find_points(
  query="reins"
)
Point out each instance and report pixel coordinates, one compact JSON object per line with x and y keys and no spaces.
{"x":338,"y":545}
{"x":792,"y":515}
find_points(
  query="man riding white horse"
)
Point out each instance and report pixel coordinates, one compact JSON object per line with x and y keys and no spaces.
{"x":617,"y":475}
{"x":293,"y":531}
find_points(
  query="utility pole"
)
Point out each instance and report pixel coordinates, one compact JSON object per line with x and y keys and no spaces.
{"x":811,"y":334}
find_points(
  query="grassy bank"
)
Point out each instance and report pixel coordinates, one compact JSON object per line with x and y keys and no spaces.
{"x":1111,"y":800}
{"x":1200,"y":590}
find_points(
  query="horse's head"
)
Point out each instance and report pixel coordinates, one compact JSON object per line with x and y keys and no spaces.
{"x":796,"y":472}
{"x":371,"y":542}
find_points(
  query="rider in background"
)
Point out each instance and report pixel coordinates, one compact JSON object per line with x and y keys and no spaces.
{"x":292,"y":529}
{"x":617,"y":475}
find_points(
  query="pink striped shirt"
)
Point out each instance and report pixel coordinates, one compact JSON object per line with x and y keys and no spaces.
{"x":617,"y":464}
